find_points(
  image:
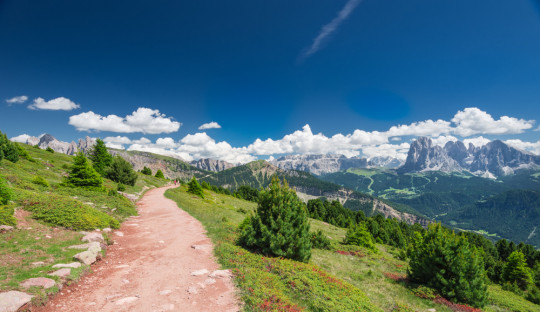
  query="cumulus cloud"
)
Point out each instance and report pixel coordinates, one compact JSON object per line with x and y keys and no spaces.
{"x":60,"y":103}
{"x":398,"y":151}
{"x":472,"y":121}
{"x":328,"y":29}
{"x":210,"y":125}
{"x":17,"y":100}
{"x":478,"y":141}
{"x":20,"y":138}
{"x":143,"y":120}
{"x":533,"y":147}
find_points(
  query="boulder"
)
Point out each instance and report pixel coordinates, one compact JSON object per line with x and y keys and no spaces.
{"x":200,"y":272}
{"x":86,"y":257}
{"x":220,"y":274}
{"x":6,"y":228}
{"x":38,"y":281}
{"x":72,"y":265}
{"x":11,"y":301}
{"x":93,"y":237}
{"x":61,"y":273}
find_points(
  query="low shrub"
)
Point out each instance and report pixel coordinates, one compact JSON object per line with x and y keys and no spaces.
{"x":49,"y":149}
{"x":6,"y":215}
{"x":40,"y":181}
{"x":68,"y":212}
{"x":319,"y":240}
{"x":121,"y":187}
{"x":5,"y":192}
{"x":360,"y":236}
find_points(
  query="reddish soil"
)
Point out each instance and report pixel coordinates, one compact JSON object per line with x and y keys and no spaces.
{"x":149,"y":268}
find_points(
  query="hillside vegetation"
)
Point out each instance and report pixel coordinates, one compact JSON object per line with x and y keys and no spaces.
{"x":48,"y":214}
{"x":338,"y":277}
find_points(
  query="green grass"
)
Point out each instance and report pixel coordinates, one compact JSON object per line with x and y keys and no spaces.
{"x":502,"y":300}
{"x":363,"y":172}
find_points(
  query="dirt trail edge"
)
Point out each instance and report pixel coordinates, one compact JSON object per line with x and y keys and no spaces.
{"x":164,"y":262}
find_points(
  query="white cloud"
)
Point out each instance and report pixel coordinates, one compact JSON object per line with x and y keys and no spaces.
{"x":533,"y":147}
{"x":331,"y":27}
{"x":20,"y":138}
{"x":17,"y":100}
{"x":210,"y":125}
{"x":477,"y":142}
{"x":443,"y":139}
{"x":421,"y":128}
{"x":472,"y":121}
{"x":60,"y":103}
{"x":143,"y":120}
{"x":117,"y":139}
{"x":115,"y":145}
{"x":166,"y":142}
{"x":398,"y":151}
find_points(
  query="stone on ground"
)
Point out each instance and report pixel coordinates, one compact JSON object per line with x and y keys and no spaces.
{"x":72,"y":265}
{"x":61,"y":273}
{"x":5,"y":228}
{"x":11,"y":301}
{"x":126,"y":300}
{"x":86,"y":257}
{"x":38,"y":281}
{"x":93,"y":237}
{"x":118,"y":233}
{"x":220,"y":274}
{"x":200,"y":272}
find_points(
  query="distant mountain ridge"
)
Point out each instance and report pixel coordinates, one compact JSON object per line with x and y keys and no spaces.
{"x":47,"y":140}
{"x":212,"y":164}
{"x":492,"y":160}
{"x":330,"y":163}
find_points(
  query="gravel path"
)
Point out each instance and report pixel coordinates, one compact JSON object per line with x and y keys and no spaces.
{"x":163,"y":262}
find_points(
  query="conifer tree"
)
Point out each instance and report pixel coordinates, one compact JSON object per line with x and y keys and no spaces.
{"x":8,"y":149}
{"x":121,"y":171}
{"x":516,"y":271}
{"x":83,"y":175}
{"x":359,"y":235}
{"x":280,"y":226}
{"x":195,"y":188}
{"x":146,"y":171}
{"x":446,"y":262}
{"x":100,"y":157}
{"x":159,"y":174}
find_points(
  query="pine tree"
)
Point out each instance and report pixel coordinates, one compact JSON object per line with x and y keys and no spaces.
{"x":83,"y":175}
{"x":516,"y":271}
{"x":280,"y":226}
{"x":49,"y":149}
{"x":121,"y":171}
{"x":8,"y":149}
{"x":359,"y":235}
{"x":446,"y":262}
{"x":100,"y":157}
{"x":195,"y":188}
{"x":146,"y":171}
{"x":159,"y":174}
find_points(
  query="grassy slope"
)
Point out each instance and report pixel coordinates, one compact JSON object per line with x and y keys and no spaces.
{"x":29,"y":243}
{"x":365,"y":272}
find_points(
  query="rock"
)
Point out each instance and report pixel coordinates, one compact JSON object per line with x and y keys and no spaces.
{"x":93,"y":237}
{"x":209,"y":281}
{"x":201,"y":247}
{"x":107,"y":230}
{"x":61,"y":273}
{"x":11,"y":301}
{"x":126,"y":300}
{"x":165,"y":292}
{"x":72,"y":265}
{"x":212,"y":165}
{"x":161,"y":242}
{"x":81,"y":246}
{"x":5,"y":228}
{"x":121,"y":266}
{"x":125,"y":281}
{"x":220,"y":274}
{"x":86,"y":257}
{"x":432,"y":310}
{"x":39,"y":263}
{"x":48,"y":236}
{"x":200,"y":272}
{"x":192,"y":290}
{"x":118,"y":233}
{"x":38,"y":281}
{"x":167,"y":307}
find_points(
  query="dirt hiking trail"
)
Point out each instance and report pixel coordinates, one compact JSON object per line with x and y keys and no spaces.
{"x":163,"y":262}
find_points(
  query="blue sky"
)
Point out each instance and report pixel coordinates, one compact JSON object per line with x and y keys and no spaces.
{"x":265,"y":69}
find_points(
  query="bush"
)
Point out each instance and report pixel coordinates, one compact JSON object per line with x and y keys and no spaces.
{"x":359,"y":235}
{"x":69,"y":213}
{"x":319,"y":240}
{"x":24,"y":154}
{"x":83,"y":175}
{"x":121,"y":187}
{"x":6,"y":215}
{"x":146,"y":171}
{"x":40,"y":181}
{"x":159,"y":174}
{"x":49,"y":149}
{"x":280,"y":226}
{"x":195,"y":188}
{"x":121,"y":171}
{"x":8,"y":149}
{"x":5,"y":192}
{"x":447,"y":263}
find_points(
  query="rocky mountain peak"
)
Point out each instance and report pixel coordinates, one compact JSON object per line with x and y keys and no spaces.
{"x":212,"y":164}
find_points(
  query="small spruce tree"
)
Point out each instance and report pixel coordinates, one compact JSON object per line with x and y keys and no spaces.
{"x":121,"y":171}
{"x":195,"y":188}
{"x":444,"y":261}
{"x":516,"y":271}
{"x":159,"y":174}
{"x":49,"y":149}
{"x":100,"y":157}
{"x":280,"y":226}
{"x":359,"y":235}
{"x":83,"y":175}
{"x":146,"y":171}
{"x":8,"y":149}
